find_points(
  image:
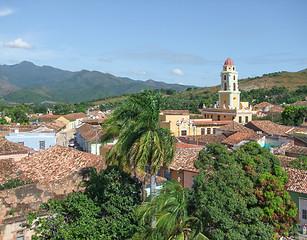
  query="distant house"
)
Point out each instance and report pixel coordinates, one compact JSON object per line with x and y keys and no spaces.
{"x":37,"y":139}
{"x":238,"y":139}
{"x":72,"y":120}
{"x":13,"y":150}
{"x":297,"y":188}
{"x":89,"y":138}
{"x":182,"y":168}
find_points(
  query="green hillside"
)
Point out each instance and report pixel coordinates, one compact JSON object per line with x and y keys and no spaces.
{"x":35,"y":94}
{"x":50,"y":84}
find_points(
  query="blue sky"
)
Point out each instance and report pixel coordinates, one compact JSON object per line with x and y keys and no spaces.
{"x":166,"y":40}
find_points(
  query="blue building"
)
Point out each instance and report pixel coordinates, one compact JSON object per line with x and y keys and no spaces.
{"x":36,"y":140}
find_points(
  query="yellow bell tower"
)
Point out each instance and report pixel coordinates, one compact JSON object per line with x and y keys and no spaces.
{"x":229,"y":95}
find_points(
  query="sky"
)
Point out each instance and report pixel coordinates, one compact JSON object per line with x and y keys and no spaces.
{"x":175,"y":41}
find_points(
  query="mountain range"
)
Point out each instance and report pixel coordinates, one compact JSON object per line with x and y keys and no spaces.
{"x":27,"y":83}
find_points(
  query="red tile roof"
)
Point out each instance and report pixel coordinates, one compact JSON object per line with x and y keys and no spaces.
{"x":235,"y":127}
{"x":269,"y":127}
{"x":297,"y":180}
{"x":238,"y":137}
{"x":262,"y":106}
{"x":203,"y":139}
{"x":90,"y":132}
{"x":209,"y":123}
{"x":74,"y":116}
{"x":7,"y":147}
{"x":175,"y":112}
{"x":186,"y":145}
{"x":298,"y":150}
{"x":8,"y":170}
{"x":300,"y":103}
{"x":56,"y":163}
{"x":184,"y":159}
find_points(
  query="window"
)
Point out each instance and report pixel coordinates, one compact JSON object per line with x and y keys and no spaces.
{"x":246,"y":119}
{"x":20,"y":235}
{"x":224,"y":77}
{"x":225,"y":86}
{"x":42,"y":145}
{"x":240,"y":119}
{"x":233,"y":68}
{"x":214,"y":130}
{"x":208,"y":130}
{"x":234,"y":86}
{"x":202,"y":131}
{"x":22,"y":143}
{"x":211,"y":116}
{"x":234,"y":77}
{"x":224,"y":116}
{"x":304,"y":214}
{"x":218,"y":117}
{"x":183,"y":132}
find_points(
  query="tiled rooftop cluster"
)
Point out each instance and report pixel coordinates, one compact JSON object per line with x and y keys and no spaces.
{"x":235,"y":127}
{"x":8,"y":170}
{"x":185,"y":156}
{"x":204,"y":139}
{"x":238,"y":137}
{"x":7,"y":147}
{"x":90,"y":132}
{"x":74,"y":116}
{"x":56,"y":163}
{"x":297,"y":180}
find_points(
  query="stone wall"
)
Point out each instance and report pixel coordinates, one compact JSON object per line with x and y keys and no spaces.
{"x":28,"y":198}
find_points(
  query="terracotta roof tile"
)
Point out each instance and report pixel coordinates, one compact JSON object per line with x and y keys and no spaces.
{"x":186,"y":145}
{"x":56,"y":163}
{"x":7,"y":147}
{"x":88,"y":132}
{"x":299,"y":150}
{"x":215,"y":123}
{"x":74,"y":116}
{"x":300,"y":103}
{"x":203,"y":139}
{"x":262,"y":106}
{"x":297,"y":180}
{"x":185,"y":158}
{"x":235,"y":127}
{"x":175,"y":112}
{"x":269,"y":127}
{"x":8,"y":170}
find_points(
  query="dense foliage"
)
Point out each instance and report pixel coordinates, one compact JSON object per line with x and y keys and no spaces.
{"x":12,"y":183}
{"x":275,"y":95}
{"x":166,"y":216}
{"x":294,"y":115}
{"x":104,"y":211}
{"x":299,"y":163}
{"x":242,"y":194}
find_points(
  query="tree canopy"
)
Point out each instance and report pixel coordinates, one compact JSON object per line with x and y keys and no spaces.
{"x":242,"y":194}
{"x":104,"y":211}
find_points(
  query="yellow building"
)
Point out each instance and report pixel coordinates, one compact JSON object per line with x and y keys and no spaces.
{"x":180,"y":123}
{"x":229,"y":108}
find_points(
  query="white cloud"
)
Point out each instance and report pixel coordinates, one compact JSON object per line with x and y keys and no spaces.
{"x":142,"y":73}
{"x":5,"y":12}
{"x":178,"y":72}
{"x":104,"y":59}
{"x":18,"y":43}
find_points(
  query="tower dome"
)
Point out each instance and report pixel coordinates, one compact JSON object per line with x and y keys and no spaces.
{"x":228,"y":62}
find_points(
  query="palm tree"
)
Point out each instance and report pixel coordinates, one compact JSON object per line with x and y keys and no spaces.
{"x":171,"y":219}
{"x":141,"y":141}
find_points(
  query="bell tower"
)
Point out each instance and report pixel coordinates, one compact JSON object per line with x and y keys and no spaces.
{"x":229,"y":95}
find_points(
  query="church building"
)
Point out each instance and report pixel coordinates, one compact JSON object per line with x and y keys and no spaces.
{"x":229,"y":106}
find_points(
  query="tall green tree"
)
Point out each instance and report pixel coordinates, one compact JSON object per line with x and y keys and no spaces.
{"x":141,"y":141}
{"x":242,"y":194}
{"x":169,"y":209}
